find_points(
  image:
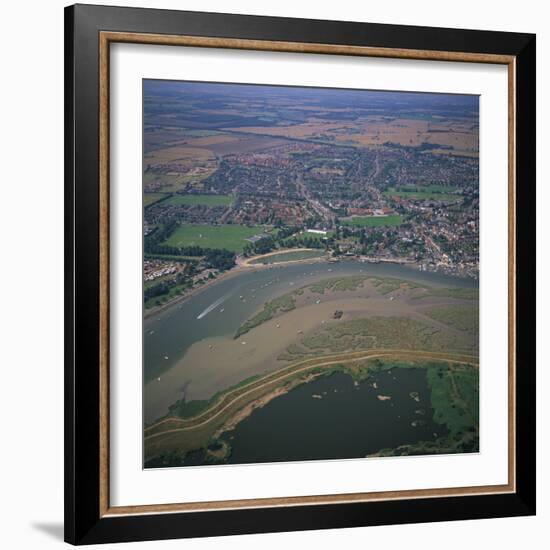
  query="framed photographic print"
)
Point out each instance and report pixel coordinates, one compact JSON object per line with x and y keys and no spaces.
{"x":299,"y":274}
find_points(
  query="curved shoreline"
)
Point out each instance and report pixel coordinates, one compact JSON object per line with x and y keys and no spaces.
{"x":182,"y":298}
{"x":248,"y":261}
{"x":241,"y":267}
{"x":225,"y":402}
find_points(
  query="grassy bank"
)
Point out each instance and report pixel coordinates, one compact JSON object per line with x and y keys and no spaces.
{"x":290,"y":256}
{"x":458,"y":293}
{"x":460,"y":317}
{"x":454,"y":396}
{"x":378,"y":333}
{"x":287,"y":302}
{"x":373,"y":221}
{"x":173,"y":437}
{"x":284,"y":303}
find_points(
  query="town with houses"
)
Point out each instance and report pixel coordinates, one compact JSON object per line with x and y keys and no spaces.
{"x":399,"y":187}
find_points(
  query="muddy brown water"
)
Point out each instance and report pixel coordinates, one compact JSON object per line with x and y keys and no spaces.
{"x":180,"y":342}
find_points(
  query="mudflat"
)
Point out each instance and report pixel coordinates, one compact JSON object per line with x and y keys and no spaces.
{"x":215,"y":364}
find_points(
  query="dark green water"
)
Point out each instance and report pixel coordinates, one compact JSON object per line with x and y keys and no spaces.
{"x":349,"y":421}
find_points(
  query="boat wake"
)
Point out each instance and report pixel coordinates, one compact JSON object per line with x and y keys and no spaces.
{"x":213,"y":306}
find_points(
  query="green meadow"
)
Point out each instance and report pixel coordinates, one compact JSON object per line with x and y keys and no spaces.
{"x":230,"y":237}
{"x":206,"y":200}
{"x":152,"y":198}
{"x":433,"y":192}
{"x":374,"y":221}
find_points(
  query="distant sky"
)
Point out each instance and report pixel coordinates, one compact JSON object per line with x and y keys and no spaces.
{"x":321,"y":97}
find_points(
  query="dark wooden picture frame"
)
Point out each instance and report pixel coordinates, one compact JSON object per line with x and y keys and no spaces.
{"x":89,"y":31}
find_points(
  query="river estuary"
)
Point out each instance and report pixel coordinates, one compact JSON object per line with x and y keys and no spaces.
{"x":218,"y":311}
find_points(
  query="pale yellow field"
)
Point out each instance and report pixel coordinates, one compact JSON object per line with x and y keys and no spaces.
{"x":182,"y":165}
{"x":172,"y":154}
{"x":210,"y":140}
{"x":375,"y":131}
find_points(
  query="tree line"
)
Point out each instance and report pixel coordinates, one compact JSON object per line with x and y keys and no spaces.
{"x":216,"y":258}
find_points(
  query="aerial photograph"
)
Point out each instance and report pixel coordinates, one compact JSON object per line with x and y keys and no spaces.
{"x":310,"y":274}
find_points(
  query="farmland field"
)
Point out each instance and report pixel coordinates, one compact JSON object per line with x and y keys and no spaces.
{"x":207,"y":200}
{"x":170,"y":169}
{"x":430,"y":193}
{"x":151,"y":198}
{"x":374,"y":221}
{"x":230,"y":237}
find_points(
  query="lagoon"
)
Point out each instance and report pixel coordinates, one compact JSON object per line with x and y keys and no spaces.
{"x":334,"y":417}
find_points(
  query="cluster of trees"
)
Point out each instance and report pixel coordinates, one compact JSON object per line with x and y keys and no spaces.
{"x":262,"y":246}
{"x":285,"y":232}
{"x":159,"y":289}
{"x":220,"y":259}
{"x":305,"y":241}
{"x":163,"y":287}
{"x":267,"y":244}
{"x":157,"y":236}
{"x":371,"y":237}
{"x":270,"y":242}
